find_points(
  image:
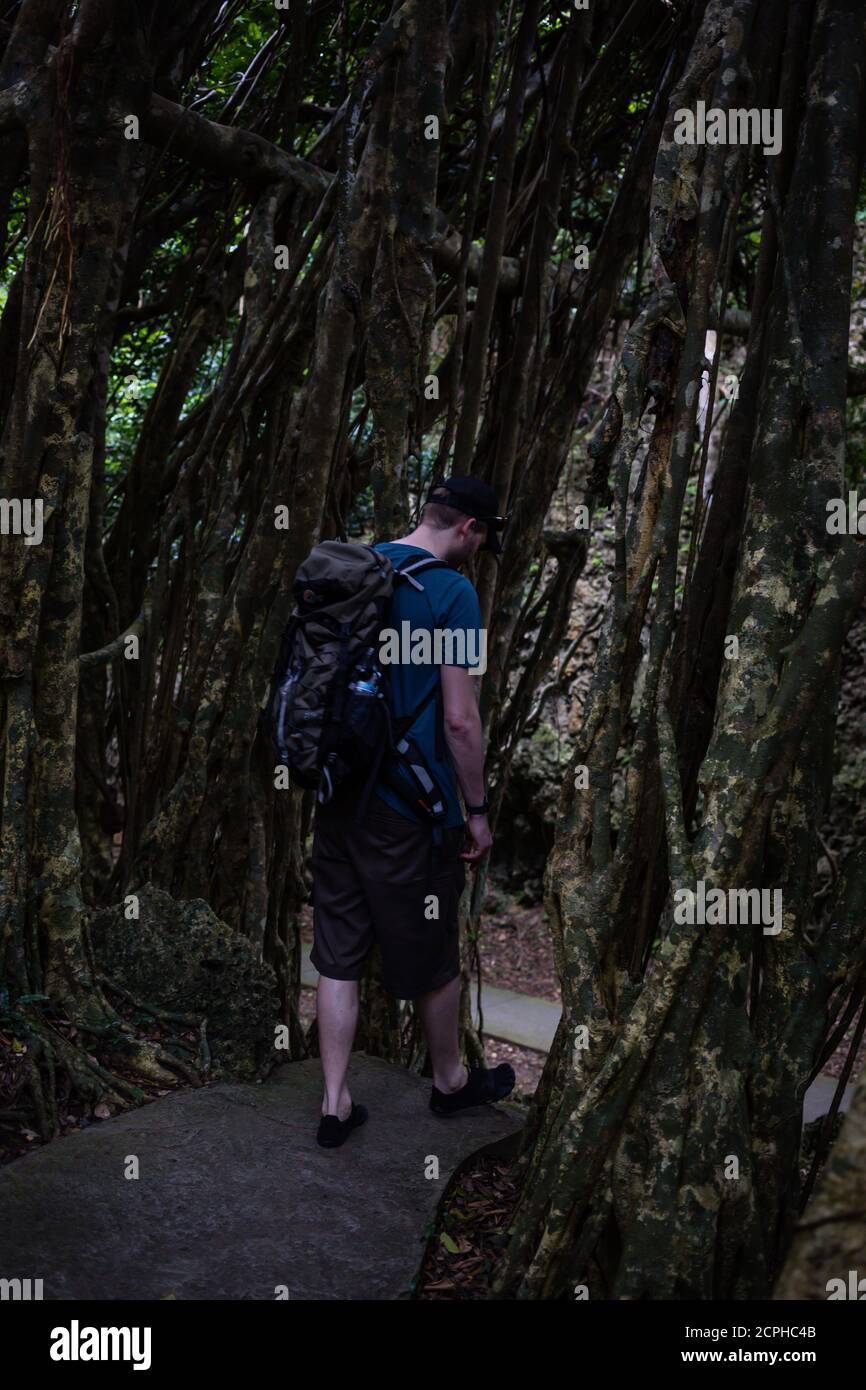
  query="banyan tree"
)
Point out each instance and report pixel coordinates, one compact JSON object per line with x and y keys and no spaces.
{"x":266,"y":268}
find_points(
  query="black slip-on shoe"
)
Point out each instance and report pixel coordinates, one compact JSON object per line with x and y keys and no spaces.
{"x":482,"y":1087}
{"x":333,"y":1131}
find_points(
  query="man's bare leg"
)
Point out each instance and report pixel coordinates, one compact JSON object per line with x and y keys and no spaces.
{"x":337,"y":1016}
{"x":439,"y":1014}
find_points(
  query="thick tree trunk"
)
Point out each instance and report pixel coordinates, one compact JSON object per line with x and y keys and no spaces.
{"x":661,"y":1160}
{"x":82,"y":170}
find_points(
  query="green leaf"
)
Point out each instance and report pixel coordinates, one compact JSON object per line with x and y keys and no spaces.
{"x":450,"y":1245}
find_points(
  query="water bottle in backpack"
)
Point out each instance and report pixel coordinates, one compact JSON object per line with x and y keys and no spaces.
{"x":367,"y":676}
{"x":365,"y":715}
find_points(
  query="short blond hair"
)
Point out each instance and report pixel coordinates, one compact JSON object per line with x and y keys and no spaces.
{"x":440,"y":516}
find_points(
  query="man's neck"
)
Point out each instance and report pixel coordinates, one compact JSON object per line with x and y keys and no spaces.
{"x":428,"y":539}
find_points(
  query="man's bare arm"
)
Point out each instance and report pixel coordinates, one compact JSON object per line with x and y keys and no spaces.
{"x":466,"y":745}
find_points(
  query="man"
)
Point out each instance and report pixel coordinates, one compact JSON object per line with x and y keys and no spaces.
{"x":383,"y":877}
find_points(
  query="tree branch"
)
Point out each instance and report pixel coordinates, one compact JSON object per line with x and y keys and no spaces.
{"x":227,"y":150}
{"x":103,"y":654}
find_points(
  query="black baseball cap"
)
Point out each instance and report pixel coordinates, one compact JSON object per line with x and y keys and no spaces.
{"x":475,"y":498}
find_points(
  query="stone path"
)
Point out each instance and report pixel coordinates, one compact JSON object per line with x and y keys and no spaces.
{"x":235,"y":1199}
{"x":234,"y":1196}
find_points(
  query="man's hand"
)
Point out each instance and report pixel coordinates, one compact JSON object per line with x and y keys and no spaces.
{"x":479,"y":833}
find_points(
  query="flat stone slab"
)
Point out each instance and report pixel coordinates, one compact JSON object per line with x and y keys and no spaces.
{"x":518,"y":1018}
{"x":234,"y":1196}
{"x":819,"y":1098}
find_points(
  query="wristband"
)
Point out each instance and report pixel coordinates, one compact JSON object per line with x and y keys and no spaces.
{"x":479,"y":810}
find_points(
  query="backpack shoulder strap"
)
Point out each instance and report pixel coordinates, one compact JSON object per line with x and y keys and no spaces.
{"x":415,"y":567}
{"x":408,"y":572}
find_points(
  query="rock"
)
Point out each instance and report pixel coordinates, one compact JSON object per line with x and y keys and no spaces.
{"x":527,"y":820}
{"x":178,"y":955}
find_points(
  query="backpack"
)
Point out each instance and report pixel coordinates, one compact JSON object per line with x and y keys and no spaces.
{"x":328,"y":715}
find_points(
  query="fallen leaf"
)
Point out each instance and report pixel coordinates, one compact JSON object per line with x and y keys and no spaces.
{"x":102,"y":1111}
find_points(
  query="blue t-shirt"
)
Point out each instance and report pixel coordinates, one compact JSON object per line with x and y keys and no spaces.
{"x":449,"y":603}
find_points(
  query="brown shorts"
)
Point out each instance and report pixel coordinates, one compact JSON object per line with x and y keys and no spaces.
{"x":383,"y":879}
